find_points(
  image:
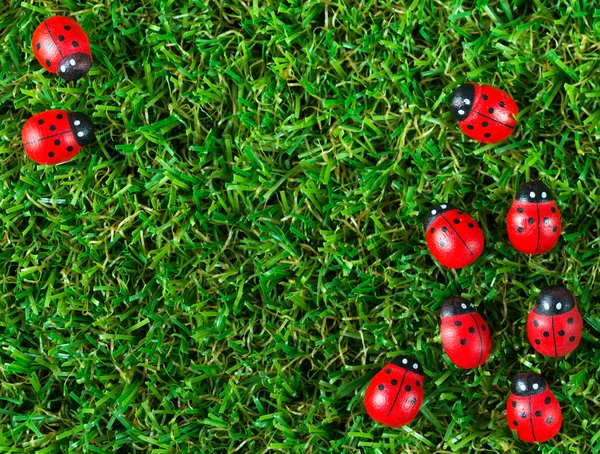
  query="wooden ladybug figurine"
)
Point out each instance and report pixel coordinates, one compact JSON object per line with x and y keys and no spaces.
{"x":56,"y":136}
{"x":453,"y":237}
{"x":554,"y":325}
{"x":395,"y":394}
{"x":532,"y":410}
{"x":483,"y":112}
{"x":465,"y":334}
{"x":533,"y":221}
{"x":62,"y":47}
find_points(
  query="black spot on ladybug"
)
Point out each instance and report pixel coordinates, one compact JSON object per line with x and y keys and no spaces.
{"x":408,"y":388}
{"x":546,"y":334}
{"x":51,"y":154}
{"x":61,"y":38}
{"x":48,"y":63}
{"x":491,"y":110}
{"x":520,"y":210}
{"x":554,"y":229}
{"x":470,"y":225}
{"x":520,"y":229}
{"x":442,"y":243}
{"x":531,"y":220}
{"x":547,"y":400}
{"x":458,"y":323}
{"x":501,"y":103}
{"x":38,"y":46}
{"x":536,"y":323}
{"x":432,"y":230}
{"x":485,"y":124}
{"x":57,"y":142}
{"x":470,"y":127}
{"x":487,"y":135}
{"x":413,"y":401}
{"x":388,"y":371}
{"x":67,"y":27}
{"x":538,"y":413}
{"x":69,"y":148}
{"x":483,"y":328}
{"x":40,"y":122}
{"x":444,"y":229}
{"x":485,"y":97}
{"x":463,"y":342}
{"x":514,"y":404}
{"x":456,"y":221}
{"x":572,"y":339}
{"x":52,"y":128}
{"x":549,"y":420}
{"x":553,"y":209}
{"x":418,"y":383}
{"x":537,"y":342}
{"x":394,"y":382}
{"x":515,"y":423}
{"x":59,"y":116}
{"x":546,"y":220}
{"x":75,"y":44}
{"x":471,"y":330}
{"x":459,"y":212}
{"x":570,"y":320}
{"x":561,"y":332}
{"x":523,"y":414}
{"x":381,"y":387}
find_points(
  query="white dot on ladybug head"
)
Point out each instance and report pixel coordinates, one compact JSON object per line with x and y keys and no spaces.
{"x":444,"y":207}
{"x":546,"y":306}
{"x":558,"y":306}
{"x":544,"y":195}
{"x":76,"y":122}
{"x":80,"y":134}
{"x":404,"y":361}
{"x":463,"y":305}
{"x":467,"y":101}
{"x":532,"y":194}
{"x":461,"y":112}
{"x":433,"y":212}
{"x":72,"y":62}
{"x":63,"y":68}
{"x":415,"y":366}
{"x":535,"y":386}
{"x":523,"y":386}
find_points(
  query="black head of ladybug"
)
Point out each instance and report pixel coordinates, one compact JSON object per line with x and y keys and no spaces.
{"x":462,"y":101}
{"x":456,"y":306}
{"x":534,"y":192}
{"x":408,"y":363}
{"x":527,"y":384}
{"x":555,"y":300}
{"x":74,"y":66}
{"x":82,"y":127}
{"x":434,"y":212}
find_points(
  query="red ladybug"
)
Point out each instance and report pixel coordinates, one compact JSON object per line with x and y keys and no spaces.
{"x":532,"y":410}
{"x":453,"y":237}
{"x":56,"y":136}
{"x":395,"y":394}
{"x":483,"y":112}
{"x":62,"y":47}
{"x":465,"y":334}
{"x":533,"y":221}
{"x":554,"y":325}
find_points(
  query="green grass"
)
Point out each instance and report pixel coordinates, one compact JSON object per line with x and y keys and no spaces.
{"x":241,"y":250}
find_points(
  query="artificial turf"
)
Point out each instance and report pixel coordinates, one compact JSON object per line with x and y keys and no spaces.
{"x":241,"y":249}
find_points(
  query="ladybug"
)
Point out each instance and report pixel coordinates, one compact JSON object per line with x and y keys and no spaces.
{"x":395,"y":394}
{"x":465,"y":334}
{"x":532,"y":410}
{"x":453,"y":237}
{"x":56,"y":136}
{"x":483,"y":112}
{"x":554,"y":325}
{"x":62,"y":47}
{"x":533,"y":221}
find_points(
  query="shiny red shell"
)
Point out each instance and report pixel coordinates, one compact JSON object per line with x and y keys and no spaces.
{"x":453,"y":237}
{"x":395,"y":394}
{"x":465,"y":335}
{"x":50,"y":137}
{"x":536,"y":418}
{"x":484,"y":113}
{"x":62,"y":47}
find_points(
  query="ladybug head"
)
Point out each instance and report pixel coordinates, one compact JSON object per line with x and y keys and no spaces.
{"x":462,"y":101}
{"x":528,"y":384}
{"x":554,"y":300}
{"x":74,"y":66}
{"x":408,"y":363}
{"x":434,"y":212}
{"x":82,"y":127}
{"x":456,"y":306}
{"x":534,"y":192}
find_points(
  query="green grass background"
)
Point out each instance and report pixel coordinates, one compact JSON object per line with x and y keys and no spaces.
{"x":241,"y":250}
